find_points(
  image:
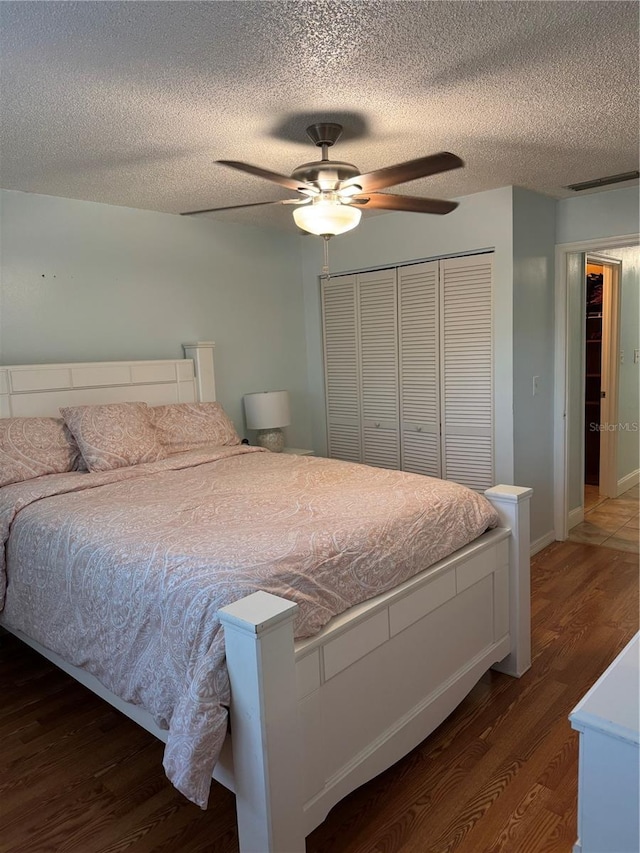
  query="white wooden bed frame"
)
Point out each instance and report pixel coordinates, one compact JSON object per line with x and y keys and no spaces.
{"x":315,"y":719}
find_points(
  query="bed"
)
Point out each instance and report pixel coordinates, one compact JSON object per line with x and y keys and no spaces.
{"x":319,"y":703}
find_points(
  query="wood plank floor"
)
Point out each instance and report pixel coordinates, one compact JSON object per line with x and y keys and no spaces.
{"x":500,"y":774}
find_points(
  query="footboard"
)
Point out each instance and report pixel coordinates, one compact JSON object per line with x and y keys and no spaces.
{"x":312,"y":722}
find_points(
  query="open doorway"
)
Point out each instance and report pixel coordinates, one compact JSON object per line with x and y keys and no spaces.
{"x":586,"y":442}
{"x":593,"y":375}
{"x":601,"y":355}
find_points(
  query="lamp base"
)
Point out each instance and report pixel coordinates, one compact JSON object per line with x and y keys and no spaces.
{"x":271,"y":439}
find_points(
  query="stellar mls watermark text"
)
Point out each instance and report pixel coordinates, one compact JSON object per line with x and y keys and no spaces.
{"x":619,"y":427}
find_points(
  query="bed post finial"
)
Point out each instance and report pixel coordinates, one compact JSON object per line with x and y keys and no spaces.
{"x":202,"y":354}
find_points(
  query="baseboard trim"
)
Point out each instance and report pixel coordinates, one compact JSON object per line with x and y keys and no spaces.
{"x":542,"y":542}
{"x":576,"y":516}
{"x":628,"y":482}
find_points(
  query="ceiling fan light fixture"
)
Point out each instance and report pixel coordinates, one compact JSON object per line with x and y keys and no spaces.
{"x":333,"y":191}
{"x":326,"y":217}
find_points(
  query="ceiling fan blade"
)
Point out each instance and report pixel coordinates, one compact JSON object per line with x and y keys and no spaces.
{"x":409,"y":171}
{"x":413,"y":204}
{"x":274,"y":177}
{"x":252,"y":204}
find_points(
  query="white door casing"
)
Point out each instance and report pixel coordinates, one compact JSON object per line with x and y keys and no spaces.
{"x":561,"y":370}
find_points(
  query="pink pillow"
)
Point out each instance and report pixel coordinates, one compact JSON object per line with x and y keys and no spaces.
{"x":31,"y":447}
{"x":185,"y":426}
{"x":114,"y":435}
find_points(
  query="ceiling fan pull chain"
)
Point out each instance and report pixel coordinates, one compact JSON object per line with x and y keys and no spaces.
{"x":325,"y":267}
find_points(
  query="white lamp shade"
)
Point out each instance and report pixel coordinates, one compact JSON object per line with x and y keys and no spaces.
{"x":267,"y":409}
{"x":325,"y":217}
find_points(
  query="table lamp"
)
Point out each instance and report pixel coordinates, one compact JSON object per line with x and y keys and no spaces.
{"x":267,"y":412}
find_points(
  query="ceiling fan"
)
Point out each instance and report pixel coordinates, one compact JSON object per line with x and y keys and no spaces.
{"x":334,"y":193}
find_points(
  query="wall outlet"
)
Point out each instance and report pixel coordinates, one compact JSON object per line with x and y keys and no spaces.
{"x":621,"y":356}
{"x":534,"y":387}
{"x":636,"y":356}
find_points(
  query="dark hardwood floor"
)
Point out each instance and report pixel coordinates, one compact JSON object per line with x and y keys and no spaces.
{"x":500,"y":774}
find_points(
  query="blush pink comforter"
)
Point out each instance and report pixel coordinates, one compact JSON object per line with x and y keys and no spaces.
{"x":123,"y":572}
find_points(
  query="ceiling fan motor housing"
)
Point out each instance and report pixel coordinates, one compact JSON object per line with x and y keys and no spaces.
{"x":325,"y":174}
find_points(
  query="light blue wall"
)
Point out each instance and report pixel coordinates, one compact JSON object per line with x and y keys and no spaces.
{"x":483,"y":221}
{"x":85,"y":281}
{"x":533,"y":348}
{"x":605,"y":214}
{"x":629,"y":373}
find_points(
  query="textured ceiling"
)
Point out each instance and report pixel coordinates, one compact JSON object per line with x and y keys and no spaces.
{"x":130,"y":103}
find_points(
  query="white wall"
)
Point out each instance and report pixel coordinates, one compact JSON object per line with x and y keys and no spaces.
{"x":483,"y":221}
{"x":604,"y":214}
{"x":533,"y":347}
{"x":85,"y":281}
{"x":629,"y":373}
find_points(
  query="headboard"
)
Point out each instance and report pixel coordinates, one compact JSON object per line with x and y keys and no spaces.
{"x":28,"y":390}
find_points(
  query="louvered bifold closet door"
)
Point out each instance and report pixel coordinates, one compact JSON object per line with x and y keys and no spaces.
{"x":377,"y":306}
{"x":419,"y":371}
{"x":342,"y":375}
{"x":466,"y":367}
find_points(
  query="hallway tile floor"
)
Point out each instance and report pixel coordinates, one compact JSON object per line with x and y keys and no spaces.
{"x":611,"y":522}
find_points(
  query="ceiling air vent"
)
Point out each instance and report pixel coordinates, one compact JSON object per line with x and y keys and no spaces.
{"x":603,"y":182}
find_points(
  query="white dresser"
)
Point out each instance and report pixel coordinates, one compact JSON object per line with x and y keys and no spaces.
{"x":609,"y":764}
